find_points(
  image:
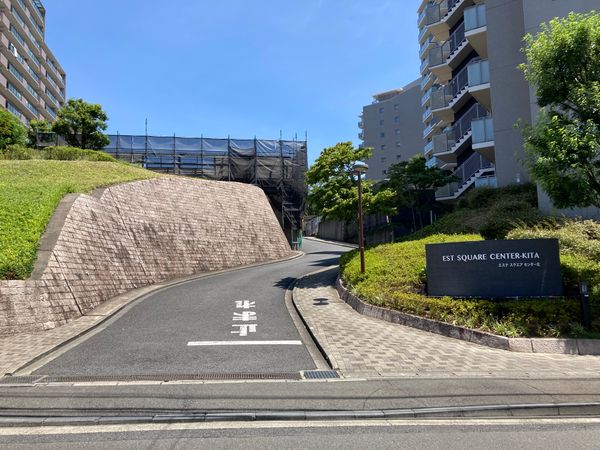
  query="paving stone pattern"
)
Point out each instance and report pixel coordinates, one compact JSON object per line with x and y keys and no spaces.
{"x":361,"y":346}
{"x":141,"y":233}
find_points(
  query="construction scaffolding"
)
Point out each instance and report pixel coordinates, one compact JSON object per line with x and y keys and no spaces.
{"x":277,"y":166}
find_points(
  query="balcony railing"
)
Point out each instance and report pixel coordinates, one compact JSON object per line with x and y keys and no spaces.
{"x":425,"y":63}
{"x":438,"y":55}
{"x":443,"y":96}
{"x":425,"y":80}
{"x":475,"y":17}
{"x":479,"y":72}
{"x":426,"y":96}
{"x":436,"y":13}
{"x":464,"y":173}
{"x":445,"y":141}
{"x":426,"y":114}
{"x":426,"y":44}
{"x":428,"y":147}
{"x":483,"y":130}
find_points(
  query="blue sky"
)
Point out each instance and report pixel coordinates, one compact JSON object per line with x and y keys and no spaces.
{"x":235,"y":67}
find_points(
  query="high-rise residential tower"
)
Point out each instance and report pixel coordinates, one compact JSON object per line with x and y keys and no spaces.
{"x":392,"y":127}
{"x":32,"y":82}
{"x":473,"y":93}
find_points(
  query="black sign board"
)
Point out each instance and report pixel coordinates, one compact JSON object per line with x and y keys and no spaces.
{"x":494,"y":269}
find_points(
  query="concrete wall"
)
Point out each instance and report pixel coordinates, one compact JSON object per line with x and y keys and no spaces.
{"x":403,"y":113}
{"x":510,"y":91}
{"x":137,"y":234}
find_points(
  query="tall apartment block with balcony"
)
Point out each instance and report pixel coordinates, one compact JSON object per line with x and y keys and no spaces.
{"x":473,"y":93}
{"x":32,"y":83}
{"x":391,"y":126}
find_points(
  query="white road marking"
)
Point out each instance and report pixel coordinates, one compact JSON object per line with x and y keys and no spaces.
{"x":244,"y":304}
{"x":234,"y":343}
{"x":246,"y":316}
{"x":243,"y":330}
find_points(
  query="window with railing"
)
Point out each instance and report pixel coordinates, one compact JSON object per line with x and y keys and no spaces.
{"x":439,"y":54}
{"x":36,"y":9}
{"x":475,"y":17}
{"x":17,"y":16}
{"x":12,"y":88}
{"x":52,"y":82}
{"x":13,"y":50}
{"x":446,"y":141}
{"x":34,"y":58}
{"x":33,"y":109}
{"x":34,"y":40}
{"x":426,"y":96}
{"x":479,"y":72}
{"x":483,"y":130}
{"x":13,"y":109}
{"x":12,"y":69}
{"x":32,"y":91}
{"x":32,"y":73}
{"x":17,"y":35}
{"x":428,"y":147}
{"x":465,"y":172}
{"x":443,"y":96}
{"x":51,"y":111}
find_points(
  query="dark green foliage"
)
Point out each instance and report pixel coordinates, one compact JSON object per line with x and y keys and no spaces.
{"x":333,"y":192}
{"x":19,"y":152}
{"x":490,"y":212}
{"x":563,"y":65}
{"x":35,"y":127}
{"x":82,"y":124}
{"x":12,"y":131}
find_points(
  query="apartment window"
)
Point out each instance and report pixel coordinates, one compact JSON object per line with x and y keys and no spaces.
{"x":381,"y":122}
{"x":398,"y":144}
{"x":382,"y":134}
{"x":398,"y":156}
{"x":14,"y":90}
{"x":396,"y":107}
{"x":15,"y":72}
{"x":13,"y":109}
{"x":397,"y":131}
{"x":382,"y":147}
{"x":51,"y":111}
{"x":33,"y":109}
{"x":381,"y":110}
{"x":384,"y":172}
{"x":383,"y":159}
{"x":397,"y":119}
{"x":17,"y":16}
{"x":17,"y":35}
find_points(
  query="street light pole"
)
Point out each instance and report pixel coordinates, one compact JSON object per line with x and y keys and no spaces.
{"x":359,"y":168}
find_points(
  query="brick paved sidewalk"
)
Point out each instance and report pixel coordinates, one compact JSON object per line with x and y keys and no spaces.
{"x":361,"y":346}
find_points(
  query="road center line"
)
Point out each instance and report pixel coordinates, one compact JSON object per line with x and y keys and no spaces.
{"x":235,"y":343}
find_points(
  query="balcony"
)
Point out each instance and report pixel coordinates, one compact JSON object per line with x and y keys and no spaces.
{"x":429,"y":43}
{"x":450,"y":98}
{"x":427,"y":81}
{"x":447,"y":146}
{"x":479,"y":82}
{"x":444,"y":58}
{"x":483,"y":136}
{"x":426,"y":97}
{"x":424,"y":65}
{"x":441,"y":17}
{"x":430,"y":129}
{"x":428,"y":148}
{"x":476,"y":28}
{"x":426,"y":115}
{"x":361,"y":124}
{"x":361,"y":136}
{"x":473,"y":168}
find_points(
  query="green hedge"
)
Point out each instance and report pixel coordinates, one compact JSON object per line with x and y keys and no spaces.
{"x":395,"y":273}
{"x":18,"y":152}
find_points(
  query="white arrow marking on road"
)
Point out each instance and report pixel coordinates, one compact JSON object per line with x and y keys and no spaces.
{"x":233,"y":343}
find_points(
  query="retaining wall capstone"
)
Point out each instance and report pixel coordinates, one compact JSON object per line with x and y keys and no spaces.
{"x":135,"y":234}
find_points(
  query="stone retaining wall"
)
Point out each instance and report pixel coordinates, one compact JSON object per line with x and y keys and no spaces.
{"x":135,"y":234}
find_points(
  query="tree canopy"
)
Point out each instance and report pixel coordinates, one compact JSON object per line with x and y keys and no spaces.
{"x":82,"y":124}
{"x":12,"y":131}
{"x":562,"y":148}
{"x":333,"y":189}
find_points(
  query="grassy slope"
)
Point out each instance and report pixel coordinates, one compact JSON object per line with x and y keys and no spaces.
{"x":29,"y":193}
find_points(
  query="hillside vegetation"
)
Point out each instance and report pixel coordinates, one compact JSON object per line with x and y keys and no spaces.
{"x":30,"y":190}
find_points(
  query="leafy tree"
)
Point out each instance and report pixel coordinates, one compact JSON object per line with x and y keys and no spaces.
{"x":412,"y":180}
{"x":35,"y":127}
{"x":12,"y":131}
{"x":562,"y":149}
{"x":82,"y":124}
{"x":333,"y":189}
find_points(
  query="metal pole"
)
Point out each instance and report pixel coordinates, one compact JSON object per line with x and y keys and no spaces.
{"x":229,"y":156}
{"x":202,"y":155}
{"x":117,"y":144}
{"x":255,"y":161}
{"x":361,"y":239}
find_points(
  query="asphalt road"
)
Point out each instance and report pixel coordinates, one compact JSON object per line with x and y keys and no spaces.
{"x":444,"y":434}
{"x":153,"y":336}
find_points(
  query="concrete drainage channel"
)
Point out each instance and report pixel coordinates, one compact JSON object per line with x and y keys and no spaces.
{"x":47,"y":379}
{"x":16,"y":417}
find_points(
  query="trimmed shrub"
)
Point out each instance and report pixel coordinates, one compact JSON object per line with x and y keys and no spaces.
{"x":17,"y":152}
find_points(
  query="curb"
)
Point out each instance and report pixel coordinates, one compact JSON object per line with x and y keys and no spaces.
{"x":521,"y":345}
{"x":328,"y":358}
{"x":506,"y":410}
{"x":128,"y":299}
{"x":325,"y":241}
